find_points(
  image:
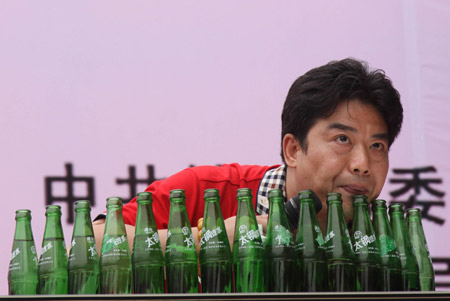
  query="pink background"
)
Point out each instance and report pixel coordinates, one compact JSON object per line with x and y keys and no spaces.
{"x":107,"y":84}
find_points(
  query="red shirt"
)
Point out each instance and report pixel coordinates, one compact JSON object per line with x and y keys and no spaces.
{"x":227,"y":178}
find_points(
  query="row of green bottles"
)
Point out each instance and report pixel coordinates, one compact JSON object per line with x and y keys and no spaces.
{"x":277,"y":267}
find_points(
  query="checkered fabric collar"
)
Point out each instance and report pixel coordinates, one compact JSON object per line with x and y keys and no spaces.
{"x":272,"y":179}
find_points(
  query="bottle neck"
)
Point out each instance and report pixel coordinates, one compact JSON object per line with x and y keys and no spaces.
{"x":276,"y":205}
{"x":335,"y":216}
{"x":245,"y":206}
{"x":381,"y":221}
{"x":308,"y":212}
{"x":23,"y":229}
{"x":212,"y":211}
{"x":114,"y":222}
{"x":178,"y":214}
{"x":53,"y":227}
{"x":83,"y":224}
{"x":361,"y":215}
{"x":144,"y":218}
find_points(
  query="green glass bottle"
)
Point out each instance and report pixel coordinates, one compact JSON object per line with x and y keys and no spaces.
{"x":311,"y":257}
{"x":248,"y":249}
{"x":147,"y":258}
{"x":391,"y":269}
{"x":410,"y":268}
{"x":216,"y":263}
{"x":338,"y":247}
{"x":83,"y":265}
{"x":419,"y":243}
{"x":280,"y":268}
{"x":365,"y":246}
{"x":53,"y":278}
{"x":23,"y":268}
{"x":115,"y":259}
{"x":181,"y":255}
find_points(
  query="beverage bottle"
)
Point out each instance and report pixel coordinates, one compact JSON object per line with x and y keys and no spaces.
{"x":248,"y":249}
{"x":115,"y":259}
{"x":52,"y":268}
{"x":23,"y":268}
{"x":391,"y":269}
{"x":147,"y":258}
{"x":311,"y":257}
{"x":365,"y":246}
{"x":83,"y":266}
{"x":280,"y":268}
{"x":216,"y":263}
{"x":417,"y":235}
{"x":410,"y":268}
{"x":181,"y":255}
{"x":338,"y":247}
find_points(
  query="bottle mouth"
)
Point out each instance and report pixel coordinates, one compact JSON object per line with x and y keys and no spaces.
{"x":413,"y":212}
{"x":244,"y":192}
{"x":23,"y":213}
{"x":396,"y":208}
{"x":177,"y":194}
{"x":379,"y":203}
{"x":360,"y":200}
{"x":334,"y":197}
{"x":82,"y":205}
{"x":211,"y":193}
{"x":144,"y":197}
{"x":276,"y":193}
{"x":53,"y":209}
{"x":114,"y":202}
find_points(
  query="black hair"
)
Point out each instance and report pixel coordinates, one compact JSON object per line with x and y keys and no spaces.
{"x":317,"y":93}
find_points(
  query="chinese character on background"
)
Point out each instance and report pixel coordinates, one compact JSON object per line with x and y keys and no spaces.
{"x":413,"y":188}
{"x":71,"y":195}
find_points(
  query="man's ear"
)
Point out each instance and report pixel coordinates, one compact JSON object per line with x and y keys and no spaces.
{"x":291,"y":148}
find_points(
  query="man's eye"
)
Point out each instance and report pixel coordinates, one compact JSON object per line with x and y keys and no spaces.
{"x":378,"y":146}
{"x":342,"y":139}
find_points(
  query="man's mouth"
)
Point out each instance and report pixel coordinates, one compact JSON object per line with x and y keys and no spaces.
{"x":354,"y":189}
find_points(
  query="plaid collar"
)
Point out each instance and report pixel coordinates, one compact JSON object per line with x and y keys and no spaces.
{"x":272,"y":179}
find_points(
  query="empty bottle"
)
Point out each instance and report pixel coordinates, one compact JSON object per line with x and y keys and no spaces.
{"x":147,"y":258}
{"x":391,"y":269}
{"x":23,"y":268}
{"x":410,"y":268}
{"x":365,"y":246}
{"x":83,"y":266}
{"x":311,"y":257}
{"x":181,"y":255}
{"x":338,"y":247}
{"x":115,"y":259}
{"x":417,"y":235}
{"x":248,"y":249}
{"x":216,"y":262}
{"x":52,"y":269}
{"x":280,"y":268}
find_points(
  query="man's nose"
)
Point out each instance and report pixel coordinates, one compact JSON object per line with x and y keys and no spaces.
{"x":359,"y":161}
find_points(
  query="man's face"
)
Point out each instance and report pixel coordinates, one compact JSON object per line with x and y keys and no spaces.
{"x":347,"y":153}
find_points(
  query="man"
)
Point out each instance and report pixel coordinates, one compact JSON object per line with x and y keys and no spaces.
{"x":338,"y":123}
